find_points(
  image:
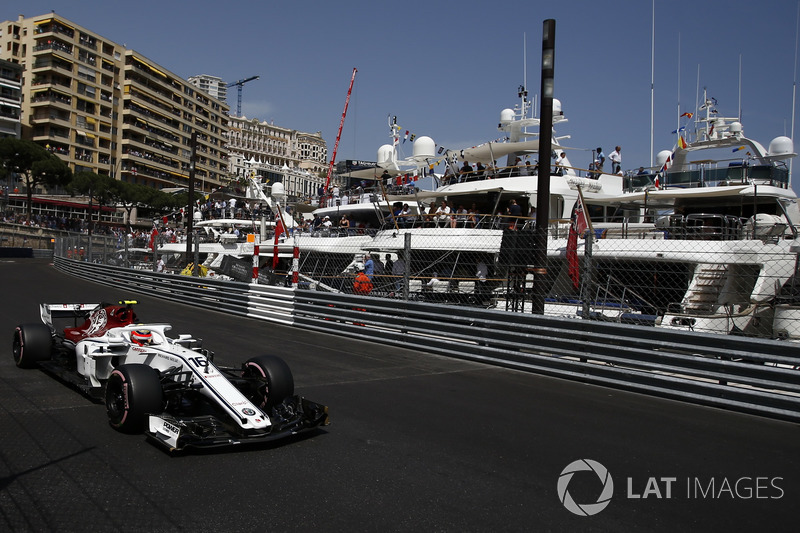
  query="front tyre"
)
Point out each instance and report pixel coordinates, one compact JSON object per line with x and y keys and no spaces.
{"x":132,"y":392}
{"x":274,"y":380}
{"x":32,"y":343}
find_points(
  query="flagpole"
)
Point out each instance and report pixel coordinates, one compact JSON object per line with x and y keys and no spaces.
{"x":679,"y":80}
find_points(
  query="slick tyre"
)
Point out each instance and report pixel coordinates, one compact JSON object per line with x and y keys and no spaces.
{"x":276,"y":379}
{"x":32,"y":343}
{"x":132,"y":392}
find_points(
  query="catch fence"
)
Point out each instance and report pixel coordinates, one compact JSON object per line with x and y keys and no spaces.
{"x":703,"y":273}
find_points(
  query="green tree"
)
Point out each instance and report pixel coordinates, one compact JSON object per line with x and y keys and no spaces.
{"x":96,"y":186}
{"x":34,"y":165}
{"x":130,"y":195}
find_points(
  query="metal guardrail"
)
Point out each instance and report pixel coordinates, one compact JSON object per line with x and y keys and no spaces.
{"x":751,"y":375}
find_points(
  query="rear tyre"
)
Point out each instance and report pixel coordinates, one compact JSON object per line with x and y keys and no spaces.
{"x":132,"y":392}
{"x":275,"y":380}
{"x":32,"y":343}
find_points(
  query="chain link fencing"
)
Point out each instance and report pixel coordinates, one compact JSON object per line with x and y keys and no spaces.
{"x":699,"y":274}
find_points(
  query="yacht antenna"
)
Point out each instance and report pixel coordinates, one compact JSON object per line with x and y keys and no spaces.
{"x":740,"y":87}
{"x":697,"y":94}
{"x":524,"y":65}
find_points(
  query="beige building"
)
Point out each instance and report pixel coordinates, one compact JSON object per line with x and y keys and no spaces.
{"x":107,"y":109}
{"x":297,"y":159}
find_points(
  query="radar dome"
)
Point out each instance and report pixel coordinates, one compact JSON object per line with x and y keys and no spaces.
{"x":781,"y":147}
{"x":506,"y":116}
{"x":735,"y":128}
{"x":424,"y":148}
{"x":556,"y":107}
{"x":385,"y":155}
{"x":661,"y":157}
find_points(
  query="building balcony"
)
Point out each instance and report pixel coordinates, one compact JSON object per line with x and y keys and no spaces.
{"x":55,"y":99}
{"x":42,"y":116}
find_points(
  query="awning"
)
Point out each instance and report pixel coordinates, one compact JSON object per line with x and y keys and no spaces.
{"x":669,"y":194}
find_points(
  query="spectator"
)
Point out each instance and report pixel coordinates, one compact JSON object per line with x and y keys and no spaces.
{"x":361,"y":284}
{"x":616,"y":160}
{"x":369,"y":266}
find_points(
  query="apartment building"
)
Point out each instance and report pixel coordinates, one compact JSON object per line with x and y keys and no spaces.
{"x":213,"y":85}
{"x":10,"y":99}
{"x":105,"y":108}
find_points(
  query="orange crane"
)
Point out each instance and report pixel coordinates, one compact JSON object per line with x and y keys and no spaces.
{"x":339,"y":135}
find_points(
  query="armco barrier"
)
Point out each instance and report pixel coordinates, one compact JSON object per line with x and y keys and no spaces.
{"x":755,"y":376}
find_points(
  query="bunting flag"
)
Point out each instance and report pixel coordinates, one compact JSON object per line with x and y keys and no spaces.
{"x":406,"y":137}
{"x":687,"y":115}
{"x":682,"y":128}
{"x":681,"y":141}
{"x":663,"y":170}
{"x":739,"y":148}
{"x":413,"y":136}
{"x":580,"y":223}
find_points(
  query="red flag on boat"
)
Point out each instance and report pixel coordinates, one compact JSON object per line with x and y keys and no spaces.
{"x":580,"y":223}
{"x":278,"y":233}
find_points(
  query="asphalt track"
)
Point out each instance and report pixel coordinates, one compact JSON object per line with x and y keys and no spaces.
{"x":417,"y":442}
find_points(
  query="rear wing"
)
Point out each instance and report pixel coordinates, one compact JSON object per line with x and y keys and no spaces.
{"x":48,"y":312}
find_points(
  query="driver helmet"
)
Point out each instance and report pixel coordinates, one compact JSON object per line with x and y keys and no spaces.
{"x":142,"y":336}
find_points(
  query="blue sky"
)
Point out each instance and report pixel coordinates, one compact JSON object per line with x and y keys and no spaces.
{"x":447,"y":69}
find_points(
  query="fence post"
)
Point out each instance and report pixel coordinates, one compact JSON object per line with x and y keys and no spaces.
{"x":586,"y":286}
{"x":196,"y":268}
{"x":407,"y":262}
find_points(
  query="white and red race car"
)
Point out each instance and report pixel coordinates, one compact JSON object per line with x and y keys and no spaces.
{"x":167,"y":387}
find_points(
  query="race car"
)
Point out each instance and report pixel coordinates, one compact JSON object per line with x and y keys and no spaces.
{"x":167,"y":387}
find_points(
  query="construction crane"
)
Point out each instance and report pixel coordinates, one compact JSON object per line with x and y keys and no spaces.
{"x":339,"y":135}
{"x":239,"y":84}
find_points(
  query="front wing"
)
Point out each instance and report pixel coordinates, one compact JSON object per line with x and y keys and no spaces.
{"x":175,"y":433}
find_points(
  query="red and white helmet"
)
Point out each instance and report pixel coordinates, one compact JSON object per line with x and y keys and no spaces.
{"x":142,"y":336}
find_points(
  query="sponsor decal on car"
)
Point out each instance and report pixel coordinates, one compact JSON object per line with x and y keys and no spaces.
{"x":248,"y":411}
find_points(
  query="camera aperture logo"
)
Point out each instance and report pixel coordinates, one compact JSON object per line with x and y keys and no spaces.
{"x":585,"y":509}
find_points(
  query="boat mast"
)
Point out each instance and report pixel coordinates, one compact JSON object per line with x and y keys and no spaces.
{"x":339,"y":134}
{"x":794,"y":84}
{"x":652,"y":79}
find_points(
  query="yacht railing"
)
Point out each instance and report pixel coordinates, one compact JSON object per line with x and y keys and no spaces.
{"x":735,"y":174}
